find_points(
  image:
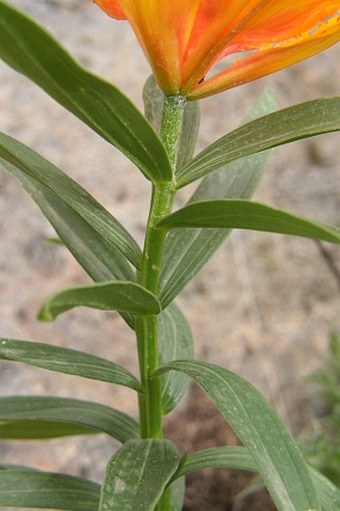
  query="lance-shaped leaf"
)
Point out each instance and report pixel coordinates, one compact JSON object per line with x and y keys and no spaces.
{"x":100,"y":259}
{"x":236,"y":457}
{"x":67,"y":361}
{"x":276,"y":455}
{"x":293,"y":123}
{"x":30,"y":50}
{"x":45,"y":173}
{"x":217,"y":457}
{"x":54,"y":410}
{"x":137,"y":475}
{"x":175,"y":343}
{"x":115,"y":295}
{"x":328,"y":492}
{"x":41,"y":430}
{"x":244,"y":214}
{"x":186,"y":252}
{"x":24,"y":487}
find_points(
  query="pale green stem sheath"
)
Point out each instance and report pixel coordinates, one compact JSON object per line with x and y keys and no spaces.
{"x":163,"y":194}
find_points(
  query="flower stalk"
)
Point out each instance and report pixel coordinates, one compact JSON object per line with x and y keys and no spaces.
{"x":163,"y":194}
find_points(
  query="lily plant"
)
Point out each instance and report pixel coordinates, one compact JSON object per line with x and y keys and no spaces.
{"x":195,"y":48}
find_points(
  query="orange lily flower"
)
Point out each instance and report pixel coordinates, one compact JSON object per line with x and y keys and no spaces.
{"x":185,"y":39}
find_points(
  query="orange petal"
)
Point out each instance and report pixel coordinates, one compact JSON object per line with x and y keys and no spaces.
{"x":251,"y":25}
{"x":271,"y":58}
{"x":279,"y":20}
{"x":112,"y":8}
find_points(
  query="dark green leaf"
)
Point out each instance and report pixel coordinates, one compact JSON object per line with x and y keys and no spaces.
{"x":293,"y":123}
{"x":64,"y":360}
{"x":31,"y":488}
{"x":41,"y":430}
{"x":276,"y":455}
{"x":186,"y":252}
{"x":153,"y":98}
{"x":6,"y":466}
{"x":101,"y":260}
{"x":85,"y":414}
{"x":137,"y":475}
{"x":244,"y":214}
{"x":30,"y":50}
{"x":175,"y":343}
{"x":115,"y":295}
{"x":45,"y":173}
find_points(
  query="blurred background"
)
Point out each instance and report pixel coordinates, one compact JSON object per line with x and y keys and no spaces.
{"x":264,"y":307}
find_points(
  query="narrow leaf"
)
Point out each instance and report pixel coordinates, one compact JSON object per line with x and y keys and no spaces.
{"x":243,"y":214}
{"x":175,"y":343}
{"x":235,"y":457}
{"x":30,"y":50}
{"x":239,"y":458}
{"x":31,"y":488}
{"x":115,"y":295}
{"x":101,"y":260}
{"x":176,"y":492}
{"x":67,"y":361}
{"x":186,"y":252}
{"x":84,"y":414}
{"x":328,"y":492}
{"x":137,"y":475}
{"x":273,"y":450}
{"x":41,"y":430}
{"x":153,"y":98}
{"x":45,"y":173}
{"x":278,"y":128}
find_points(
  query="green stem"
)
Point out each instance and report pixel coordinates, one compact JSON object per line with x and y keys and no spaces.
{"x":163,"y":194}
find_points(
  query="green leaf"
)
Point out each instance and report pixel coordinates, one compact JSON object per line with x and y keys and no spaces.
{"x":276,"y":455}
{"x":239,"y":458}
{"x":186,"y":252}
{"x":328,"y":492}
{"x":175,"y":343}
{"x":176,"y":492}
{"x":217,"y":457}
{"x":66,"y":361}
{"x":101,"y":260}
{"x":84,"y":414}
{"x":115,"y":295}
{"x":243,"y":214}
{"x":31,"y":488}
{"x":153,"y":98}
{"x":189,"y":133}
{"x":30,"y":50}
{"x":41,"y":430}
{"x":45,"y":173}
{"x":293,"y":123}
{"x":137,"y":475}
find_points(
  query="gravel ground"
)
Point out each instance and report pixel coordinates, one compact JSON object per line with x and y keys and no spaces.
{"x":263,"y":307}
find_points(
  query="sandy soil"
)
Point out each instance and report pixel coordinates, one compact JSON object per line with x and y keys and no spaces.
{"x":263,"y":307}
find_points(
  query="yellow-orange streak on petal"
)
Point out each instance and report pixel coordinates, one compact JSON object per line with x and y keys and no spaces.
{"x":215,"y":19}
{"x":271,"y":58}
{"x":258,"y":23}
